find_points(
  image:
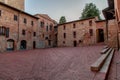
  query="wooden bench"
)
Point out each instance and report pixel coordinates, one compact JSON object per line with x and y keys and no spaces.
{"x":104,"y":50}
{"x":99,"y":63}
{"x":103,"y":73}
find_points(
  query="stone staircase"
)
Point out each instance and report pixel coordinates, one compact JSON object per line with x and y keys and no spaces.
{"x":102,"y":64}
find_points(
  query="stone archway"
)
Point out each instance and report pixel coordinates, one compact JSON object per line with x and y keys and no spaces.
{"x":23,"y":45}
{"x":10,"y":44}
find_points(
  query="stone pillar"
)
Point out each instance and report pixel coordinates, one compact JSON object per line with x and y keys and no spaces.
{"x":2,"y":44}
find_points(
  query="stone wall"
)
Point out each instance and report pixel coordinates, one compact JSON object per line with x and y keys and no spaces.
{"x":82,"y":29}
{"x":16,"y":27}
{"x":112,"y":33}
{"x":19,"y":4}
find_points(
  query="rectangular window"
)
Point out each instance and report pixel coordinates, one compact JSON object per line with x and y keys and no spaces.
{"x":34,"y":34}
{"x":90,"y":23}
{"x":63,"y":42}
{"x":64,"y":27}
{"x":0,"y":12}
{"x":64,"y":35}
{"x":46,"y":28}
{"x":74,"y":25}
{"x":50,"y":27}
{"x":91,"y":32}
{"x":74,"y":34}
{"x":15,"y":18}
{"x":7,"y":32}
{"x":23,"y":32}
{"x":42,"y":24}
{"x":32,"y":23}
{"x":25,"y":20}
{"x":50,"y":36}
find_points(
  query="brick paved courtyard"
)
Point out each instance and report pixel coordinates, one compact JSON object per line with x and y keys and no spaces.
{"x":114,"y":73}
{"x":49,"y":64}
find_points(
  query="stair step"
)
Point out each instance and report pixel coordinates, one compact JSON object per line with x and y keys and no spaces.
{"x":102,"y":74}
{"x":104,"y":50}
{"x":99,"y":63}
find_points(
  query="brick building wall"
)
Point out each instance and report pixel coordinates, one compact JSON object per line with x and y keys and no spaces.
{"x":19,"y":28}
{"x":79,"y":33}
{"x":46,"y":31}
{"x":19,"y":4}
{"x":112,"y":33}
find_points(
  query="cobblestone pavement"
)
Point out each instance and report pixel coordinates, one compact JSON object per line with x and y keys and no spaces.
{"x":114,"y":73}
{"x":49,"y":64}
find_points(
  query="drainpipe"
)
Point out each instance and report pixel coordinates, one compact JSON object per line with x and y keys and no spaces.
{"x":107,"y":30}
{"x":18,"y":25}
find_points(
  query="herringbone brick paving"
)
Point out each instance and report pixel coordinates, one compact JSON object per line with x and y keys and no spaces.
{"x":49,"y":64}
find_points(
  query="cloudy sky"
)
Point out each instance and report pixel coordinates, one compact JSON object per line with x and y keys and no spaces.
{"x":72,"y":9}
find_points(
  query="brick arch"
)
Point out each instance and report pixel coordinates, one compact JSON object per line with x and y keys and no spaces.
{"x":10,"y":44}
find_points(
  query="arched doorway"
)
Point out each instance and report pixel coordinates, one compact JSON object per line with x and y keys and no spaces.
{"x":10,"y":45}
{"x":23,"y":45}
{"x":75,"y":43}
{"x":100,"y":35}
{"x":34,"y":44}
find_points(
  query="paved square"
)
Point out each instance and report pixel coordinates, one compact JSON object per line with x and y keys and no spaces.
{"x":49,"y":64}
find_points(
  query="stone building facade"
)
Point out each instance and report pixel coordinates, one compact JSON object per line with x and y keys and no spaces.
{"x":19,"y":4}
{"x":46,"y":31}
{"x":20,"y":30}
{"x":111,"y":14}
{"x":81,"y":32}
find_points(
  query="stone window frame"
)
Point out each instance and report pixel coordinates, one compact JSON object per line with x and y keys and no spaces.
{"x":63,"y":42}
{"x":34,"y":34}
{"x":7,"y":32}
{"x":74,"y":25}
{"x":23,"y":32}
{"x":91,"y":32}
{"x":32,"y":23}
{"x":25,"y":21}
{"x":90,"y":23}
{"x":74,"y":34}
{"x":64,"y":35}
{"x":51,"y":27}
{"x":64,"y":27}
{"x":15,"y":18}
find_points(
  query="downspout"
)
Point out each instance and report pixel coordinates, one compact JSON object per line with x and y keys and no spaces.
{"x":18,"y":28}
{"x":107,"y":30}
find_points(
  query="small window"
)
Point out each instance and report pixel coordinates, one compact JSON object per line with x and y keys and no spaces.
{"x":0,"y":12}
{"x":80,"y":41}
{"x":42,"y":24}
{"x":64,"y":35}
{"x":43,"y":35}
{"x":50,"y":36}
{"x":51,"y":27}
{"x":25,"y":20}
{"x":7,"y":32}
{"x":34,"y":34}
{"x":63,"y":42}
{"x":15,"y":18}
{"x":32,"y":23}
{"x":47,"y":28}
{"x":23,"y":32}
{"x":74,"y":34}
{"x":90,"y":23}
{"x":82,"y":23}
{"x":64,"y":27}
{"x":46,"y":38}
{"x":74,"y":25}
{"x":91,"y":32}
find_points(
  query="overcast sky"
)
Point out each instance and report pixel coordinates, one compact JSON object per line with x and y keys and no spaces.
{"x":72,"y":9}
